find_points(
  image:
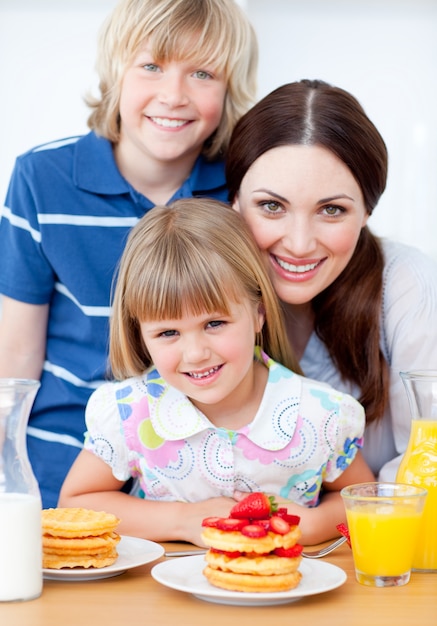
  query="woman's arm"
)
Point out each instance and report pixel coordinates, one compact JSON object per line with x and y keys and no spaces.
{"x":23,"y":334}
{"x":91,"y":484}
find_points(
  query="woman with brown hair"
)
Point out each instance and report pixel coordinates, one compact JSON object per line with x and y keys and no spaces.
{"x":305,"y":168}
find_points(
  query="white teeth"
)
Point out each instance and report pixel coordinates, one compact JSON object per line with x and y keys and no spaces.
{"x":164,"y":121}
{"x":203,"y":374}
{"x":298,"y":269}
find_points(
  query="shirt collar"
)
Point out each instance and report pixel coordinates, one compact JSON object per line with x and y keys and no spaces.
{"x":96,"y":171}
{"x":174,"y":417}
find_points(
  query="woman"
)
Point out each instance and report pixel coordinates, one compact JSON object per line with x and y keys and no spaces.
{"x":305,"y":168}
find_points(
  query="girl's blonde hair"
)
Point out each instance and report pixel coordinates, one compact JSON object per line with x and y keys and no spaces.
{"x":211,"y":32}
{"x":195,"y":255}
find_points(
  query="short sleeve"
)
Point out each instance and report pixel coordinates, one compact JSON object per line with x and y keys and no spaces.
{"x":346,"y":436}
{"x":104,"y":436}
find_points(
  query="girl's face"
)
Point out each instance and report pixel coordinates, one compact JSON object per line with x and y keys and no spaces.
{"x":169,"y":109}
{"x":306,"y":211}
{"x":208,"y":357}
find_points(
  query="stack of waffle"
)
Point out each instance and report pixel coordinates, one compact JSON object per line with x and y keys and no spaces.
{"x":77,"y":537}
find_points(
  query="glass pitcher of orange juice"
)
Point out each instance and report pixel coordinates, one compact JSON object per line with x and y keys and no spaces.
{"x":419,"y":464}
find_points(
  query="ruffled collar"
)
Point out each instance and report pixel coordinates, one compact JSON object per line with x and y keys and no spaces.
{"x":174,"y":417}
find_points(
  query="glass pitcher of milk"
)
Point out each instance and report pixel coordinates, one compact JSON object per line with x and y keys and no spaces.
{"x":20,"y":500}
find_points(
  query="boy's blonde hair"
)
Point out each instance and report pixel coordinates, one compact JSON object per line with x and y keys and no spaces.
{"x":215,"y":32}
{"x":193,"y":256}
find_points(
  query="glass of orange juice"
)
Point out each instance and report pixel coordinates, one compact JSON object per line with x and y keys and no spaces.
{"x":384,"y":523}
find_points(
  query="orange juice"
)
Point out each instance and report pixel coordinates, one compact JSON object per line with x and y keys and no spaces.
{"x":419,"y":468}
{"x":383,"y":537}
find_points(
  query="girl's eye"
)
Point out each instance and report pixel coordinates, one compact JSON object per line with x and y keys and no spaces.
{"x":202,"y":75}
{"x":271,"y":206}
{"x":215,"y":323}
{"x":332,"y":210}
{"x":168,"y":333}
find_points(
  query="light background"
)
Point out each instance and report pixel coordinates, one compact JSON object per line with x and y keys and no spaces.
{"x":383,"y":51}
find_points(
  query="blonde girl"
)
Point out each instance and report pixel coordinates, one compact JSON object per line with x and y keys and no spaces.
{"x":207,"y":406}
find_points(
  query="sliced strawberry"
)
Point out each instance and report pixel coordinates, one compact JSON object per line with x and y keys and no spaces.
{"x":227,"y":523}
{"x":279,"y":525}
{"x":344,"y":530}
{"x":255,"y":505}
{"x":255,"y":531}
{"x":293,"y":520}
{"x":290,"y":553}
{"x":264,"y":522}
{"x":210,"y":522}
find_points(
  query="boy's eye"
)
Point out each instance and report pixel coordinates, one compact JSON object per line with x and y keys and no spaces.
{"x":151,"y":67}
{"x":202,"y":75}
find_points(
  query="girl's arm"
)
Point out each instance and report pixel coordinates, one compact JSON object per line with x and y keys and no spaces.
{"x":91,"y":484}
{"x":319,"y":523}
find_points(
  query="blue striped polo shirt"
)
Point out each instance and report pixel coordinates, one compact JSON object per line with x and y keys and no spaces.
{"x":66,"y":218}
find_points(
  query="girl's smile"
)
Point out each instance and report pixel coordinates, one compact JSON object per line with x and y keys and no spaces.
{"x":209,"y":358}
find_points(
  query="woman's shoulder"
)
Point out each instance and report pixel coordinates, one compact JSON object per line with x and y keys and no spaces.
{"x":406,"y":259}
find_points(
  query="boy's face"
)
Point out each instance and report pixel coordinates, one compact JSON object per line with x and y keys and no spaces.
{"x":167,"y":110}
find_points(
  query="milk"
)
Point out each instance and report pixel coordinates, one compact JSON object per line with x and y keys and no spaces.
{"x":20,"y":547}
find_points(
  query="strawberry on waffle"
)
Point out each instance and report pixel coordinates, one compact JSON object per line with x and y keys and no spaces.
{"x":255,"y":549}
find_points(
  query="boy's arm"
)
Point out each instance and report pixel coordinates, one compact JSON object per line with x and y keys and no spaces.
{"x":23,"y":334}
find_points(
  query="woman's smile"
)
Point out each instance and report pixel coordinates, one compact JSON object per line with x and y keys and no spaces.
{"x":306,"y":211}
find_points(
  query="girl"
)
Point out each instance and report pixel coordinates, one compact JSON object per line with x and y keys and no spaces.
{"x":305,"y":168}
{"x":196,"y":418}
{"x":175,"y":75}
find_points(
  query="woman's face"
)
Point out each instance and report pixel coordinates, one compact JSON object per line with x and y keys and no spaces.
{"x":306,"y":211}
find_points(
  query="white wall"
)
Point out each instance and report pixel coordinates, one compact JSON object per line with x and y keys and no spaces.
{"x":383,"y":51}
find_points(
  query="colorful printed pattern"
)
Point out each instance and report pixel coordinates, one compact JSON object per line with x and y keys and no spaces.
{"x":303,"y":434}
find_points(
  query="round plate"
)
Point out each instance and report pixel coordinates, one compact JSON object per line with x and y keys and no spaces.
{"x":132,"y":552}
{"x":185,"y":574}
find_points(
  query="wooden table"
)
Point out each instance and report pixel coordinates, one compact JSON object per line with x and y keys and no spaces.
{"x":135,"y":598}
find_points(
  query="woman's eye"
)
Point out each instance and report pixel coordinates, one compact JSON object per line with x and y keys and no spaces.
{"x":271,"y":206}
{"x":332,"y":210}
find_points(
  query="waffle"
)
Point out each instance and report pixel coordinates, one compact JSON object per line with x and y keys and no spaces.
{"x":255,"y":548}
{"x":250,"y":583}
{"x":77,"y":537}
{"x":77,"y":522}
{"x":231,"y":541}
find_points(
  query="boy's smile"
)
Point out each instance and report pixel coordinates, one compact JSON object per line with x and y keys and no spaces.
{"x":167,"y":112}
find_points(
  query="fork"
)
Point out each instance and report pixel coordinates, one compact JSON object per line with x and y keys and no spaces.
{"x":315,"y":554}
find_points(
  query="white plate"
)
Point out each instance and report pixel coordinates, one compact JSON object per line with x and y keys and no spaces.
{"x":185,"y":574}
{"x":132,"y":552}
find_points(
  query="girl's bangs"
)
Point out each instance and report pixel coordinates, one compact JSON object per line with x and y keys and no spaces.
{"x":178,"y":293}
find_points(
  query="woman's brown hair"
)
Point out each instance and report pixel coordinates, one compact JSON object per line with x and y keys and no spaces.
{"x":312,"y":112}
